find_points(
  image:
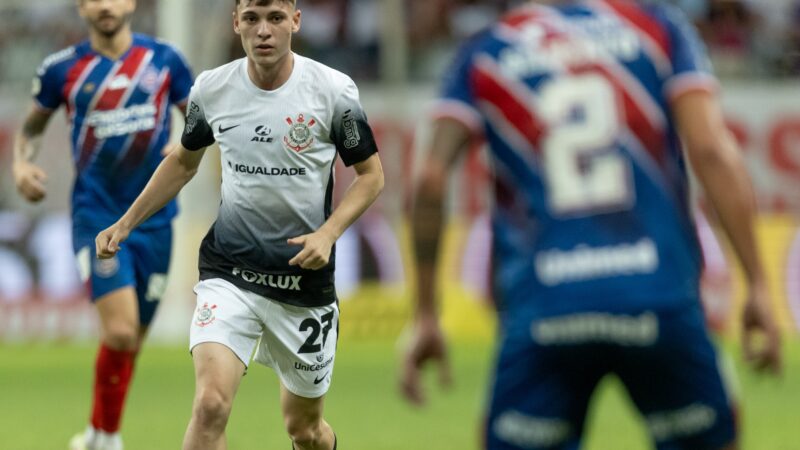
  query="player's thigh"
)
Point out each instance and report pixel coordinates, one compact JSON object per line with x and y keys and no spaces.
{"x":151,"y":251}
{"x":540,"y":394}
{"x":225,"y":315}
{"x":119,"y":317}
{"x":218,"y":372}
{"x":299,"y":343}
{"x":678,"y":386}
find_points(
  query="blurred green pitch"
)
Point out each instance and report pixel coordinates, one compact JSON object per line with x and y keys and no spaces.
{"x":45,"y":398}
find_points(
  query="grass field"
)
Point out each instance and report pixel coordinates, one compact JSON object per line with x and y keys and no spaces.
{"x":44,"y":390}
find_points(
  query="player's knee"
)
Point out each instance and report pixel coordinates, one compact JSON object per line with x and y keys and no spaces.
{"x":303,"y":432}
{"x":211,"y":409}
{"x":121,"y":336}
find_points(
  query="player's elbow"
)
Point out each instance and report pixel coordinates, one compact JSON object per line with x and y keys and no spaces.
{"x":379,"y":182}
{"x":713,"y":153}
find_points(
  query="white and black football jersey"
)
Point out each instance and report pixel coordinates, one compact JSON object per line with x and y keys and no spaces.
{"x":278,"y":150}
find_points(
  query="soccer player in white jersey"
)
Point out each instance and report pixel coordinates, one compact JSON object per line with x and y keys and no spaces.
{"x":266,"y":265}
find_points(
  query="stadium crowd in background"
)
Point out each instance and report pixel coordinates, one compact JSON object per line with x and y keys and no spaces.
{"x":746,"y":38}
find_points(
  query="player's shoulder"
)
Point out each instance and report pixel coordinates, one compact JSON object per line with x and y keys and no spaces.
{"x":665,"y":13}
{"x":218,"y":77}
{"x":61,"y":58}
{"x":220,"y":73}
{"x":156,"y":44}
{"x":322,"y":76}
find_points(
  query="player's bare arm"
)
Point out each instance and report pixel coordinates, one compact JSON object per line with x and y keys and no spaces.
{"x":716,"y":161}
{"x":359,"y":196}
{"x":172,"y":174}
{"x":450,"y":139}
{"x":28,"y":177}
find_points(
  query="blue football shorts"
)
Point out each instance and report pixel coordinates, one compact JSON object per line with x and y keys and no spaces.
{"x":142,"y":262}
{"x":546,"y":373}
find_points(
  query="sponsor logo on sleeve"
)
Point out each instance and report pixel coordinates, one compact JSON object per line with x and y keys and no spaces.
{"x":192,"y":116}
{"x":351,"y":136}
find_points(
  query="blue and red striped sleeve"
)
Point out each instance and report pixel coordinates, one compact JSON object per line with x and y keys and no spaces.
{"x":181,"y":76}
{"x":691,"y":66}
{"x":457,"y":98}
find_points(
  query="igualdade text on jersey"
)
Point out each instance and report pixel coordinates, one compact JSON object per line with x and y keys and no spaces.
{"x":287,"y":282}
{"x":269,"y":171}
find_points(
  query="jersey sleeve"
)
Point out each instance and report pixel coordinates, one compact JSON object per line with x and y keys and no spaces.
{"x":197,"y":133}
{"x":47,"y":87}
{"x":456,"y":100}
{"x":691,"y":67}
{"x":350,"y":130}
{"x":181,"y":74}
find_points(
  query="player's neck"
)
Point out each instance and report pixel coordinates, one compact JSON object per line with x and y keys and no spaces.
{"x":273,"y":77}
{"x":112,"y":47}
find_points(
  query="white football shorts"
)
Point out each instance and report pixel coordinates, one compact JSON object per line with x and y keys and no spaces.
{"x":298,"y":343}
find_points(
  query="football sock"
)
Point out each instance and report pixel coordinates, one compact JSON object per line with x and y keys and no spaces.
{"x":113,"y":371}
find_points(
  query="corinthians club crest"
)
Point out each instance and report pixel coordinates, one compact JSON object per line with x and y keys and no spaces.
{"x":205,"y":315}
{"x":299,"y":136}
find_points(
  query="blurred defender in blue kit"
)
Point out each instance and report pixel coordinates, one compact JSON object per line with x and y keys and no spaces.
{"x":117,"y":88}
{"x":591,"y":110}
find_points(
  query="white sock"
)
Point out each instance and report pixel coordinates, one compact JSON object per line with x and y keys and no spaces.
{"x":106,"y":441}
{"x":89,"y":436}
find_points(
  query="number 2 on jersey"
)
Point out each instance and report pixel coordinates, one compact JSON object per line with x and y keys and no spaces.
{"x":311,"y":345}
{"x":584,"y":174}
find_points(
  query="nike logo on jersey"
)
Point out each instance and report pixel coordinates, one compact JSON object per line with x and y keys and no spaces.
{"x":222,"y":130}
{"x":318,"y":380}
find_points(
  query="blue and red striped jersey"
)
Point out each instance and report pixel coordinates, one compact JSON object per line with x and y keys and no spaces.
{"x":591,"y":207}
{"x":120,"y":121}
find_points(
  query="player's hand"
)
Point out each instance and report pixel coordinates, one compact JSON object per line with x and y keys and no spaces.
{"x":427,"y":343}
{"x":316,"y":250}
{"x":107,"y":242}
{"x":29,"y":179}
{"x":761,"y":339}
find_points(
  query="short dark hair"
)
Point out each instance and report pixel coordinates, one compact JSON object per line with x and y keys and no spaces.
{"x":269,"y":2}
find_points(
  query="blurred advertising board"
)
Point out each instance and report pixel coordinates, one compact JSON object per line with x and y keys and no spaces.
{"x":42,"y":298}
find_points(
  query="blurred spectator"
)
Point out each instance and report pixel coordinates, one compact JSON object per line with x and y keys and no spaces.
{"x":791,"y":58}
{"x":29,"y":31}
{"x":728,"y":30}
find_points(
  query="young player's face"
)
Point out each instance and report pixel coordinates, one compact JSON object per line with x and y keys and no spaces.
{"x":266,"y":29}
{"x":107,"y":17}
